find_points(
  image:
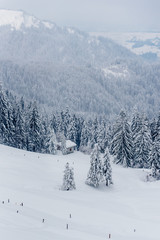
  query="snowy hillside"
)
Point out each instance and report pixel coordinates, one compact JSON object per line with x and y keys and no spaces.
{"x":35,"y":179}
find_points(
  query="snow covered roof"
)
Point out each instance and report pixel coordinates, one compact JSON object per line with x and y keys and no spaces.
{"x":69,"y":144}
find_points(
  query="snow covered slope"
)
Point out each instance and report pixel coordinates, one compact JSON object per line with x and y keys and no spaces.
{"x":35,"y":179}
{"x":18,"y":19}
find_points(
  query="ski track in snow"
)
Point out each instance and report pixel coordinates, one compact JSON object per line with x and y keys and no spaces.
{"x":35,"y":179}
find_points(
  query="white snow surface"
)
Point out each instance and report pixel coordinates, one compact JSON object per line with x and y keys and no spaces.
{"x":17,"y":19}
{"x":116,"y":71}
{"x":35,"y":179}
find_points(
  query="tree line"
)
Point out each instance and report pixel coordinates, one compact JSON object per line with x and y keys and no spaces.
{"x":134,"y":141}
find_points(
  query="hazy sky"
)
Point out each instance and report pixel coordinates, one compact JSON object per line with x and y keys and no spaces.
{"x":94,"y":15}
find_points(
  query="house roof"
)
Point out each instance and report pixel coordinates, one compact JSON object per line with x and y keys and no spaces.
{"x":69,"y":144}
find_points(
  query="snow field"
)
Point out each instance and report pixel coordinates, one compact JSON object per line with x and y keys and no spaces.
{"x":35,"y":179}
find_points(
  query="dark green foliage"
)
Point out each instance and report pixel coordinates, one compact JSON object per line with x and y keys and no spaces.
{"x":142,"y":143}
{"x":122,"y":143}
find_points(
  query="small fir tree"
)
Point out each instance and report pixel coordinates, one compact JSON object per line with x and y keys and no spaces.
{"x":68,"y":178}
{"x":107,"y":170}
{"x":95,"y":174}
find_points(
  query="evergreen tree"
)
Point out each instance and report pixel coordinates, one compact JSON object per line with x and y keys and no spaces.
{"x":63,"y":144}
{"x":72,"y":131}
{"x":142,"y":144}
{"x":19,"y":133}
{"x":68,"y":179}
{"x":95,"y":174}
{"x":35,"y":130}
{"x":85,"y":137}
{"x":155,"y":160}
{"x":158,"y":127}
{"x":102,"y":138}
{"x":122,"y":145}
{"x":94,"y":133}
{"x":49,"y":139}
{"x":153,"y":127}
{"x":4,"y":122}
{"x":52,"y":143}
{"x":66,"y":118}
{"x":107,"y":170}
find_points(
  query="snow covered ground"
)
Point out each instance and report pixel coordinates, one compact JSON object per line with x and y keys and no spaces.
{"x":35,"y":179}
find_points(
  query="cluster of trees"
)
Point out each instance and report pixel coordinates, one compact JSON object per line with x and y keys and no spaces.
{"x":22,"y":126}
{"x":137,"y":143}
{"x":100,"y":171}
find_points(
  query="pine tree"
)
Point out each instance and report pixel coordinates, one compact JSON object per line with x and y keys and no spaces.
{"x":19,"y":134}
{"x":158,"y":127}
{"x":95,"y":174}
{"x":63,"y":144}
{"x":68,"y":178}
{"x":155,"y":160}
{"x":94,"y":133}
{"x":72,"y":131}
{"x":107,"y":170}
{"x":122,"y":144}
{"x":85,"y":137}
{"x":35,"y":130}
{"x":4,"y":122}
{"x":142,"y":144}
{"x":153,"y":127}
{"x":102,"y":138}
{"x":50,"y":142}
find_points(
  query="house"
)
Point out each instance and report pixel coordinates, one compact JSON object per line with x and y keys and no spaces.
{"x":70,"y":146}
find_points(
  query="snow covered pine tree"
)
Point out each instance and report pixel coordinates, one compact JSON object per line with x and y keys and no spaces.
{"x":155,"y":160}
{"x":68,"y":179}
{"x":122,"y":144}
{"x":107,"y":170}
{"x":95,"y":174}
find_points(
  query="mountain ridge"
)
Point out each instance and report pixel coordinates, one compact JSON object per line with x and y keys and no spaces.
{"x":61,"y":67}
{"x":17,"y":19}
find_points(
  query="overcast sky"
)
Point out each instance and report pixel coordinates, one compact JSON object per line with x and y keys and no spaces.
{"x":94,"y":15}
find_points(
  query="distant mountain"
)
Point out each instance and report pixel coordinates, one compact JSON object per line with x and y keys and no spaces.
{"x":145,"y":44}
{"x":27,"y":39}
{"x":62,"y":67}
